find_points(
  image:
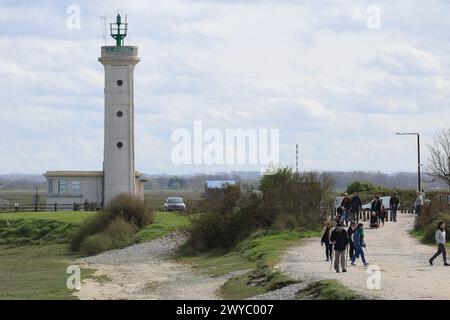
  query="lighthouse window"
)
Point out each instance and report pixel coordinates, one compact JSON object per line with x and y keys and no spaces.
{"x":119,"y":145}
{"x":119,"y":114}
{"x":119,"y":82}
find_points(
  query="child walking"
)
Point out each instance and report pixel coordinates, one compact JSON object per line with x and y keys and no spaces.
{"x":440,"y":237}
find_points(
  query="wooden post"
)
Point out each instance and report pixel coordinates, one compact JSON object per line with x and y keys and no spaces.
{"x":56,"y":206}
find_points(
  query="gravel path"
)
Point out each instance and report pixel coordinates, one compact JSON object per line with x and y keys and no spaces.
{"x":145,"y":271}
{"x":403,"y":261}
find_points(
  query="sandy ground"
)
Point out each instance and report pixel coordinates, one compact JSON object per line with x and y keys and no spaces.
{"x":403,"y":261}
{"x":145,"y":271}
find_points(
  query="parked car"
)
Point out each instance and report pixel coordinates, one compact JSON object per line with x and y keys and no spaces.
{"x":174,"y":204}
{"x":384,"y":201}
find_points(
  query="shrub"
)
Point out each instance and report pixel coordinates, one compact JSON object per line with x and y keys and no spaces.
{"x":95,"y":244}
{"x":132,"y":209}
{"x":432,"y":214}
{"x":121,"y":218}
{"x":286,"y":200}
{"x":121,"y":233}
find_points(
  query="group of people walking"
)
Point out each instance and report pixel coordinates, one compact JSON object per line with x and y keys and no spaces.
{"x":344,"y":242}
{"x":349,"y":244}
{"x":350,"y":209}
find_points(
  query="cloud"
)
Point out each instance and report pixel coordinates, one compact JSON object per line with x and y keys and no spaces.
{"x":312,"y":70}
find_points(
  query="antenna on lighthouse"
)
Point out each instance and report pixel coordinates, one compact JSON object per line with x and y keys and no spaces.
{"x":104,"y":29}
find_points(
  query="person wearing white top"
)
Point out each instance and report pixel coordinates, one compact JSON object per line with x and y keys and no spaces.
{"x":418,"y":204}
{"x":440,"y":238}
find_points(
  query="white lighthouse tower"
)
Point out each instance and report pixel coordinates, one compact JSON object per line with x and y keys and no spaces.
{"x":118,"y":167}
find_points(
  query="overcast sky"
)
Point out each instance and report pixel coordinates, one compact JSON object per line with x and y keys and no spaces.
{"x":312,"y":69}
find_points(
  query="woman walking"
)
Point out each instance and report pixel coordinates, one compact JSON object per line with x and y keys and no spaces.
{"x":358,"y":244}
{"x":440,"y":237}
{"x":326,"y":241}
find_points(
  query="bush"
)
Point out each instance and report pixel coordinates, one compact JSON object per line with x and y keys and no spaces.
{"x":121,"y":233}
{"x":432,"y":214}
{"x":123,"y":216}
{"x":95,"y":244}
{"x":286,"y":200}
{"x":131,"y":209}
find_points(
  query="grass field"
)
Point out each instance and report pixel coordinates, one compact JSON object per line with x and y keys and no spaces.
{"x":64,"y":216}
{"x":165,"y":223}
{"x":35,"y":271}
{"x":38,"y":271}
{"x":22,"y":196}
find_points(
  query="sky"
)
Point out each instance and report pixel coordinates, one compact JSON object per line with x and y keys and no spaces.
{"x":322,"y":73}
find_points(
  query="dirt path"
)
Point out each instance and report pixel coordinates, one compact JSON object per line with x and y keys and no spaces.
{"x":145,"y":271}
{"x":405,"y":271}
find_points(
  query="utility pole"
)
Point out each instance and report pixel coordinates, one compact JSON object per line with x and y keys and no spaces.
{"x":296,"y":158}
{"x":419,"y":182}
{"x":418,"y":163}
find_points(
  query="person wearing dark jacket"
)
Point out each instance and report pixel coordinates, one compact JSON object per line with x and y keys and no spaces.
{"x":359,"y":244}
{"x":394,"y":203}
{"x":376,"y":207}
{"x":355,"y":207}
{"x":339,"y":239}
{"x":326,"y":241}
{"x":346,"y":204}
{"x":350,"y":231}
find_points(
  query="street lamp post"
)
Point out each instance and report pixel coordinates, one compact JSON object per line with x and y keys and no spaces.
{"x":418,"y":155}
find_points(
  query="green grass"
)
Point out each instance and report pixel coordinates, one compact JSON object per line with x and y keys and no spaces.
{"x":327,"y":290}
{"x":36,"y":272}
{"x":23,"y":196}
{"x":257,"y":255}
{"x":64,"y":216}
{"x":35,"y":231}
{"x":165,"y":223}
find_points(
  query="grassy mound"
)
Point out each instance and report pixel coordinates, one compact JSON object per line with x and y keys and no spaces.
{"x":34,"y":231}
{"x":327,"y":290}
{"x":115,"y":227}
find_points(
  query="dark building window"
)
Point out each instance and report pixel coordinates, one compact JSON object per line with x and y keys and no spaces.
{"x":119,"y":82}
{"x":119,"y":114}
{"x":119,"y":145}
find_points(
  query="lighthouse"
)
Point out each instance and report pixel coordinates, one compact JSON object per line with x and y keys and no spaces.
{"x":119,"y":174}
{"x":72,"y":189}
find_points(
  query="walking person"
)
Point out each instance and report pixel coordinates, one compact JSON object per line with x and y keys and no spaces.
{"x":440,"y":237}
{"x":355,"y":207}
{"x":346,"y":204}
{"x":382,"y":215}
{"x":359,"y":244}
{"x":339,"y":215}
{"x":339,"y":239}
{"x":418,"y":204}
{"x":350,"y":232}
{"x":326,"y":241}
{"x":394,"y":203}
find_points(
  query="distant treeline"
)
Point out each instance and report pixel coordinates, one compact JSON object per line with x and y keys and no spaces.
{"x":249,"y":180}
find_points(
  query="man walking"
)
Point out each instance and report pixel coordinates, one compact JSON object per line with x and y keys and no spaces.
{"x":418,"y":204}
{"x":339,"y":239}
{"x":350,"y":232}
{"x":355,"y":207}
{"x":346,"y":204}
{"x":394,"y":202}
{"x":440,"y":238}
